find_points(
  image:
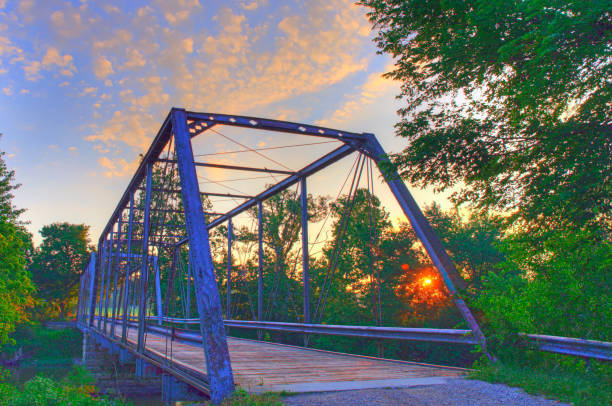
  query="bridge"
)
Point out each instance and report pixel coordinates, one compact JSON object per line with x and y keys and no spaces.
{"x":157,"y":244}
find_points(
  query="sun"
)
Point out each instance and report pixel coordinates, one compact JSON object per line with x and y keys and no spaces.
{"x":426,"y":282}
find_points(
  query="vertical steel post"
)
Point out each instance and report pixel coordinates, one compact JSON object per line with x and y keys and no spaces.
{"x":305,"y":257}
{"x":118,"y":266}
{"x":144,"y":271}
{"x":102,"y":282}
{"x":218,"y":365}
{"x":230,"y":231}
{"x":260,"y":264}
{"x":426,"y":235}
{"x":92,"y":285}
{"x":108,"y":278}
{"x":158,"y":295}
{"x":188,"y":287}
{"x":92,"y":279}
{"x":128,"y":272}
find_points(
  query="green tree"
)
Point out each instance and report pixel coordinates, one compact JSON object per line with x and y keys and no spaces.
{"x":561,"y":287}
{"x":15,"y":244}
{"x":58,"y":263}
{"x":509,"y":100}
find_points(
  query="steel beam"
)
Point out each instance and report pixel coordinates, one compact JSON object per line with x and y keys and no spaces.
{"x":158,"y":295}
{"x":218,"y":365}
{"x":108,"y":279}
{"x":144,"y":272}
{"x":92,"y":286}
{"x":274,"y":125}
{"x":234,"y":167}
{"x":230,"y":231}
{"x":120,"y":225}
{"x":102,"y":268}
{"x":260,"y":264}
{"x":128,"y":272}
{"x":237,"y":196}
{"x":305,"y":257}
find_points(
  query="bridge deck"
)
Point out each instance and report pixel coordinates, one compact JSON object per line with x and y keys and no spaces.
{"x":261,"y":366}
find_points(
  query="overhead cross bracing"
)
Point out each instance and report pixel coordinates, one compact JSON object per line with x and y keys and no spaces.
{"x":191,"y":191}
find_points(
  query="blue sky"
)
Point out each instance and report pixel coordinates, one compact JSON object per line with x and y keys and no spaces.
{"x":84,"y":85}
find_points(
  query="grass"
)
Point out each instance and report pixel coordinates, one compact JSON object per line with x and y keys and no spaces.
{"x":243,"y":398}
{"x":577,"y":388}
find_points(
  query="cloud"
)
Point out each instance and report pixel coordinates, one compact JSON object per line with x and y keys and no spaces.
{"x":233,"y":65}
{"x":7,"y":90}
{"x":24,"y":6}
{"x":128,"y":128}
{"x":120,"y":167}
{"x":111,"y":9}
{"x":7,"y":48}
{"x":69,"y":24}
{"x":32,"y":71}
{"x":375,"y":88}
{"x":134,"y":60}
{"x":312,"y":51}
{"x":177,"y":11}
{"x":102,"y":67}
{"x":188,"y":45}
{"x":250,"y":6}
{"x":54,"y":58}
{"x":88,"y":90}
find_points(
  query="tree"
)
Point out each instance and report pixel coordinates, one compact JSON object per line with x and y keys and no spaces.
{"x":508,"y":99}
{"x":15,"y":244}
{"x":58,"y":263}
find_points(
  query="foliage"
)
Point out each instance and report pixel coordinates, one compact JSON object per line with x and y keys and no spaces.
{"x":46,"y":345}
{"x":15,"y":286}
{"x":242,"y":398}
{"x":75,"y":390}
{"x":576,"y":388}
{"x":58,"y":263}
{"x":509,"y":99}
{"x":15,"y":245}
{"x":558,"y":287}
{"x":8,"y":212}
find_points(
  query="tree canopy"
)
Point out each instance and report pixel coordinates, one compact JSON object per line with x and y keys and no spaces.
{"x":58,"y":263}
{"x":15,"y":246}
{"x":510,"y":100}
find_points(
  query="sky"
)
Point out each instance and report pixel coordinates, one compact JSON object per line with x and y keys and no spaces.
{"x":85,"y":85}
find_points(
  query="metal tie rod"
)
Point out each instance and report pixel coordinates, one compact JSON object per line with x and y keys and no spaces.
{"x":234,"y":167}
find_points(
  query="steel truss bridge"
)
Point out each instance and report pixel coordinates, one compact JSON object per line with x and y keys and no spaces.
{"x":122,"y":281}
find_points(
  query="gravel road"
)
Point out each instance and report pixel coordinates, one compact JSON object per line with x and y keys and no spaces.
{"x":456,"y":392}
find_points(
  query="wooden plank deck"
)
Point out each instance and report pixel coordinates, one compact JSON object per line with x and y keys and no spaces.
{"x":261,"y":366}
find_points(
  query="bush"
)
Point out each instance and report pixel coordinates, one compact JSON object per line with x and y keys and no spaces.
{"x":76,"y":389}
{"x":560,"y":286}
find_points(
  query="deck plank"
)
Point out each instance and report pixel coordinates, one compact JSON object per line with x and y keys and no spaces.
{"x":260,"y":366}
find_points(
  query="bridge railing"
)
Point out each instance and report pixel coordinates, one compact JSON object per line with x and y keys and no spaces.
{"x":577,"y":347}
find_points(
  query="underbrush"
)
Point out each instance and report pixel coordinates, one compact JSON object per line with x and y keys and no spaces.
{"x":593,"y":386}
{"x":242,"y":398}
{"x":44,"y":345}
{"x":76,"y":389}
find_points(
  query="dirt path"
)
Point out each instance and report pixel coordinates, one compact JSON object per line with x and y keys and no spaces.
{"x":456,"y":392}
